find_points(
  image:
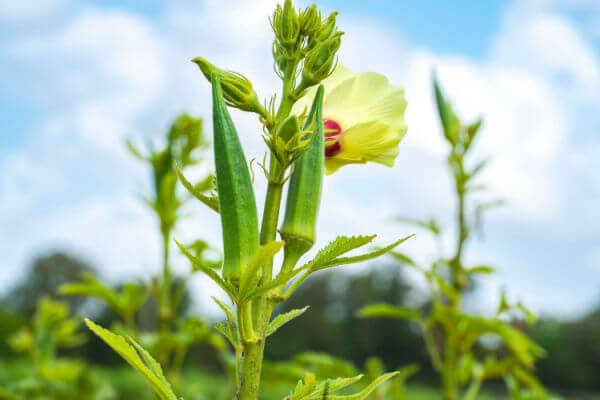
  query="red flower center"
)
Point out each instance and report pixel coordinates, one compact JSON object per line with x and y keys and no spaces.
{"x":332,"y":141}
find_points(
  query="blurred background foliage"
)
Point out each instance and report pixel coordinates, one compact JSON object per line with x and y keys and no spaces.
{"x":570,"y":367}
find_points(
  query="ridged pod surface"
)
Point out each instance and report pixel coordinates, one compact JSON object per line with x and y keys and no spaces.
{"x":237,"y":204}
{"x":304,"y":193}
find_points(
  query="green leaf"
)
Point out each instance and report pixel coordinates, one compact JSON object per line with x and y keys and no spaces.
{"x":281,"y":279}
{"x":450,"y":123}
{"x":310,"y":389}
{"x":282,"y":319}
{"x":264,"y":254}
{"x":328,"y":262}
{"x":145,"y":365}
{"x":198,"y":264}
{"x":366,"y":391}
{"x":430,"y":224}
{"x":92,"y":287}
{"x":403,"y":258}
{"x":126,"y":302}
{"x":226,"y":331}
{"x":332,"y":386}
{"x":211,"y":201}
{"x":341,"y":245}
{"x":480,"y":269}
{"x":225,"y":307}
{"x":387,"y":310}
{"x":530,"y":316}
{"x":134,"y":151}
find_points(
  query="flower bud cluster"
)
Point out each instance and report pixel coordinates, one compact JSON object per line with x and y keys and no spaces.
{"x":303,"y":36}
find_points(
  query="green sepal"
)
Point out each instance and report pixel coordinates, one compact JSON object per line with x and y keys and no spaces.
{"x":237,"y":204}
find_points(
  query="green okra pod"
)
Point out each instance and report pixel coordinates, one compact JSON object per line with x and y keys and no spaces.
{"x":304,"y":193}
{"x":237,"y":204}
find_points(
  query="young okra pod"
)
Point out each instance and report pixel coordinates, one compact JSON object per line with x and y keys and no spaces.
{"x":304,"y":193}
{"x":237,"y":204}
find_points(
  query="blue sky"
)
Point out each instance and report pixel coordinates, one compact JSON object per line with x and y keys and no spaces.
{"x":78,"y":77}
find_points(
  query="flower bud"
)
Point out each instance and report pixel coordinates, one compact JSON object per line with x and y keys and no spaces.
{"x":286,"y":24}
{"x":288,"y":128}
{"x":279,"y":55}
{"x":237,"y":204}
{"x":320,"y":61}
{"x":328,"y":29}
{"x":310,"y":20}
{"x":304,"y":193}
{"x":237,"y":89}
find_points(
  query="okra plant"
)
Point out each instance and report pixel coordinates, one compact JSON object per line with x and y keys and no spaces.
{"x":186,"y":143}
{"x":452,"y":335}
{"x":324,"y":118}
{"x":53,"y":376}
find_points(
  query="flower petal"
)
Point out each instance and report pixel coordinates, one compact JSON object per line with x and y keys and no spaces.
{"x":333,"y":164}
{"x":366,"y":97}
{"x":340,"y":74}
{"x":370,"y":141}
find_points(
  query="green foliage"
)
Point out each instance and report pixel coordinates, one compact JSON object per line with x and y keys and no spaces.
{"x":389,"y":311}
{"x":340,"y":246}
{"x":126,"y":302}
{"x":138,"y":358}
{"x":53,"y":377}
{"x":311,"y":389}
{"x":321,"y":263}
{"x":185,"y":145}
{"x":305,"y":45}
{"x":212,"y":201}
{"x":458,"y":355}
{"x":281,"y":319}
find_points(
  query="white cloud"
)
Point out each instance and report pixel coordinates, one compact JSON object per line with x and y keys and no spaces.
{"x":99,"y":72}
{"x":106,"y":74}
{"x":22,"y":11}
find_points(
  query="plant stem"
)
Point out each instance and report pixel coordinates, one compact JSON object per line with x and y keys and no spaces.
{"x":165,"y":312}
{"x":251,"y":369}
{"x":451,"y":356}
{"x":254,"y":351}
{"x":449,"y":371}
{"x":262,"y":307}
{"x":473,"y":390}
{"x":432,"y":349}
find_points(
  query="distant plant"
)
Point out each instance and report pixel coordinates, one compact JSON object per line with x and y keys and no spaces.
{"x":186,"y":143}
{"x":309,"y":130}
{"x":53,"y":377}
{"x":452,"y":335}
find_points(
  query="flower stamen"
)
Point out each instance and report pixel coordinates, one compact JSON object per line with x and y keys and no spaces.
{"x":332,"y":137}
